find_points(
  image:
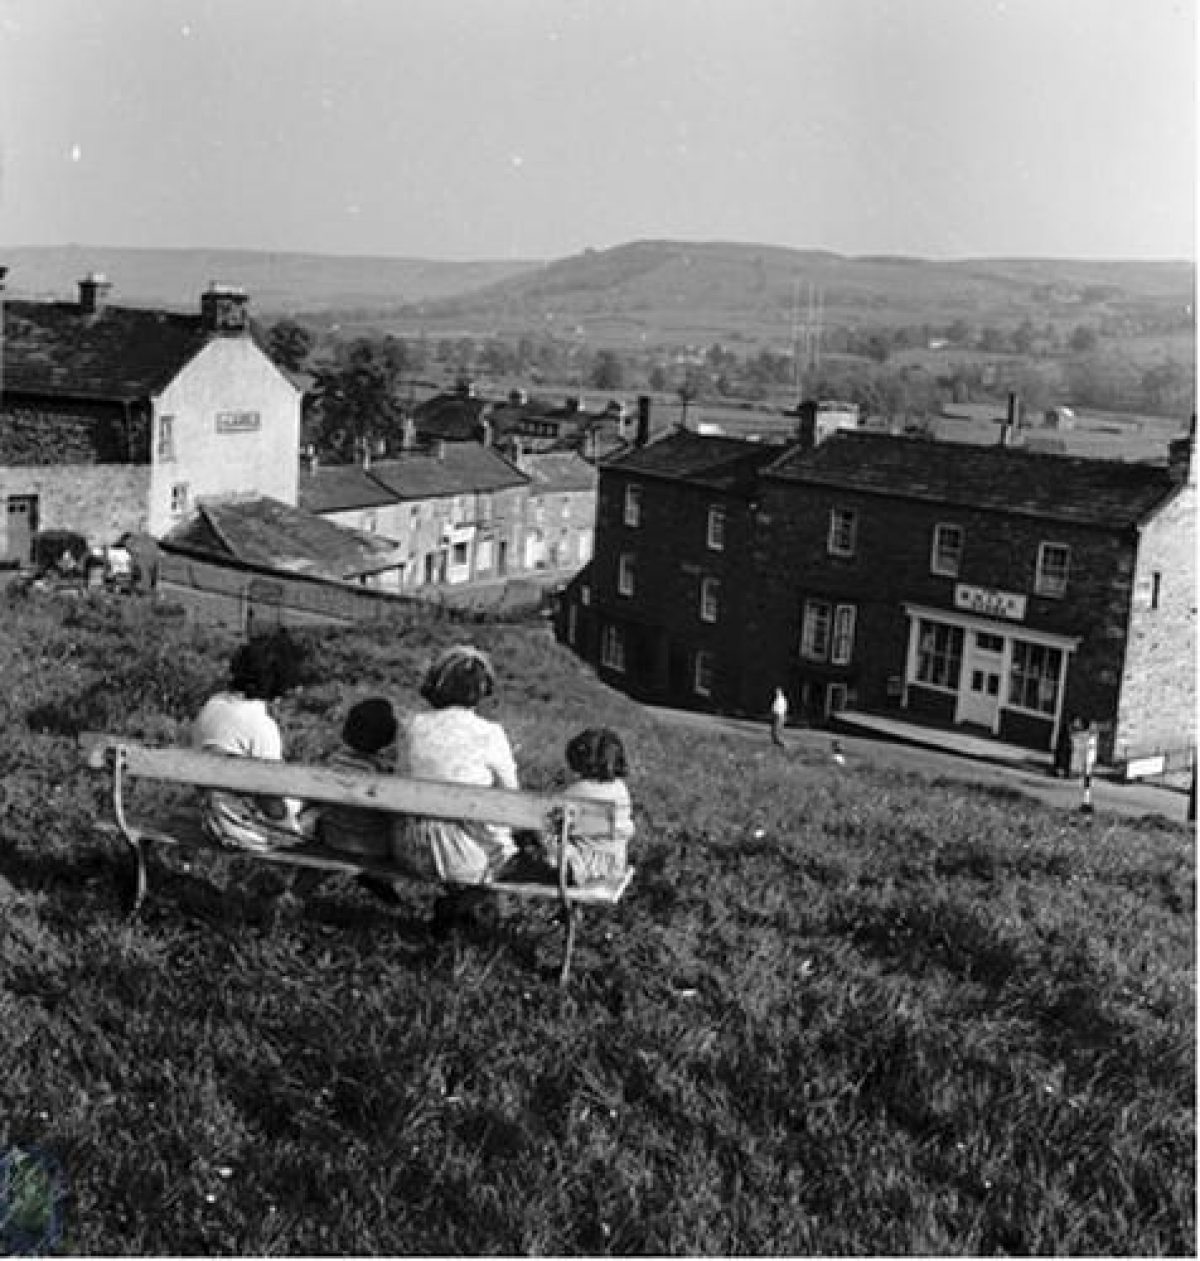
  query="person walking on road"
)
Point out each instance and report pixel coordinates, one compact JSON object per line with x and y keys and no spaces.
{"x":779,"y":713}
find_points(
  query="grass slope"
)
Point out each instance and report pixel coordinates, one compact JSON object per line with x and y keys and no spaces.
{"x":863,"y":1014}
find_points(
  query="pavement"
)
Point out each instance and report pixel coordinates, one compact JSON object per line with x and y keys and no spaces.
{"x":873,"y":740}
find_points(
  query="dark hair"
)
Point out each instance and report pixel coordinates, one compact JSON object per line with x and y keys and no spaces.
{"x":266,"y":667}
{"x":370,"y":725}
{"x":597,"y":753}
{"x":462,"y":675}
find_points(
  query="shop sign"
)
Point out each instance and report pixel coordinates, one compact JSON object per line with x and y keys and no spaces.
{"x":1005,"y":604}
{"x":238,"y":422}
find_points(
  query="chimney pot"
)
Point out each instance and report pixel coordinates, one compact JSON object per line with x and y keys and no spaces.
{"x":93,"y":293}
{"x":223,"y":309}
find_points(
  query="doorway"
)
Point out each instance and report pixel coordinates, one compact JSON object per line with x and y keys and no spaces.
{"x":21,"y":524}
{"x":983,"y":670}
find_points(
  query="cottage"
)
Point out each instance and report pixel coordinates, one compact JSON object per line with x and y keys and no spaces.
{"x":116,"y":419}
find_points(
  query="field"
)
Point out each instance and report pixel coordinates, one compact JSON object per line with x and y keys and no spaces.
{"x":871,"y":1014}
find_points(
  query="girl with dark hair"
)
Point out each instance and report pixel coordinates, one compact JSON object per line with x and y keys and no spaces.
{"x":597,"y":756}
{"x":451,"y":742}
{"x":238,"y":723}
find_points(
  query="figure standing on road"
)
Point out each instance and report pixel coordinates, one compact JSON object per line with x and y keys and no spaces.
{"x":779,"y":713}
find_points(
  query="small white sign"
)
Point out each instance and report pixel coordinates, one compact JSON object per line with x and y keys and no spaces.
{"x":1007,"y":604}
{"x":238,"y":422}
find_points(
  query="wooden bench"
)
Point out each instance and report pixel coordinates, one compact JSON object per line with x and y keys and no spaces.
{"x":552,"y":814}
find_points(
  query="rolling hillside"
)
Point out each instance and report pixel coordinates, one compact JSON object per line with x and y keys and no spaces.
{"x":651,"y":290}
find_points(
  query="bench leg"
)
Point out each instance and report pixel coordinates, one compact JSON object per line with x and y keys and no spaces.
{"x":572,"y":916}
{"x":139,"y":877}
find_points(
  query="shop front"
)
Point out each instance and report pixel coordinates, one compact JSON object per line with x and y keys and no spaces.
{"x":988,"y":673}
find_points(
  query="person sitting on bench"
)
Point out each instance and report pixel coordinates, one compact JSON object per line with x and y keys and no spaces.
{"x":238,"y":723}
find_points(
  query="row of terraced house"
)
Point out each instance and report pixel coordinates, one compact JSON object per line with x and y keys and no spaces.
{"x":118,"y":420}
{"x":992,"y":588}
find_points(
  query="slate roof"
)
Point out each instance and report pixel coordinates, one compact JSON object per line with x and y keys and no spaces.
{"x":1003,"y":479}
{"x":462,"y":468}
{"x":53,"y":348}
{"x":557,"y":471}
{"x":726,"y":464}
{"x":340,"y":488}
{"x":268,"y":532}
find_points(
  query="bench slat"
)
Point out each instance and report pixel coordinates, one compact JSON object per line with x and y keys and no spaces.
{"x":392,"y":793}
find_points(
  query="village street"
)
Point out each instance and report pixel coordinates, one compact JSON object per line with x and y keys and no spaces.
{"x":951,"y":755}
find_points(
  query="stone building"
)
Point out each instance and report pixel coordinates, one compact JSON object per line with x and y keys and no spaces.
{"x":116,"y":419}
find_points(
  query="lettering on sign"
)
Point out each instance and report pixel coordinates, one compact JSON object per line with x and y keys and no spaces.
{"x":990,"y":603}
{"x":238,"y":422}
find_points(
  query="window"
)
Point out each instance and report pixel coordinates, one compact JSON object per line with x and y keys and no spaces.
{"x":716,"y":529}
{"x":1033,"y":683}
{"x":1053,"y":565}
{"x":987,"y":642}
{"x":458,"y":554}
{"x":1155,"y":588}
{"x":166,"y":438}
{"x":703,"y":679}
{"x":625,"y":574}
{"x":710,"y":599}
{"x":843,"y":527}
{"x":370,"y":522}
{"x":612,"y":648}
{"x":827,"y":632}
{"x":179,"y":497}
{"x":633,"y":505}
{"x":939,"y":655}
{"x":585,"y":596}
{"x":483,"y":555}
{"x":947,"y":550}
{"x":843,"y":634}
{"x":814,"y":636}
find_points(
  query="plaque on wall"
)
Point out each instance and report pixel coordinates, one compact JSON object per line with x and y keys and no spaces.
{"x":238,"y":422}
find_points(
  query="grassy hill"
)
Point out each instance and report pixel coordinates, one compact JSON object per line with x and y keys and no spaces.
{"x":664,"y":291}
{"x":871,"y":1014}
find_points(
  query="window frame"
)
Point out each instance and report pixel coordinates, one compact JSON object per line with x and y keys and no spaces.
{"x":1030,"y":666}
{"x":703,"y":670}
{"x":612,"y":648}
{"x":936,"y":552}
{"x":939,"y":658}
{"x":164,"y":449}
{"x":840,"y":518}
{"x":626,"y":574}
{"x":631,"y":513}
{"x":1044,"y":584}
{"x":181,"y":493}
{"x":841,"y":639}
{"x":815,"y":635}
{"x":715,"y":537}
{"x":710,"y":599}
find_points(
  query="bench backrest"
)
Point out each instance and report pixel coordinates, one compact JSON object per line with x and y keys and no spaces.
{"x":393,"y":793}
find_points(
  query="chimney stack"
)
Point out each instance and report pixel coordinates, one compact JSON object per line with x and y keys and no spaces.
{"x":93,"y":293}
{"x":643,"y":420}
{"x":1181,"y":458}
{"x":223,"y":310}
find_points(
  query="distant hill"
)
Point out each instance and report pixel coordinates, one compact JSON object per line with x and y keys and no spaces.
{"x":695,"y":292}
{"x":277,"y":283}
{"x":654,"y":291}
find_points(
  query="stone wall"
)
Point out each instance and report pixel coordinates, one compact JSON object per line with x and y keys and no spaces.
{"x":99,"y":501}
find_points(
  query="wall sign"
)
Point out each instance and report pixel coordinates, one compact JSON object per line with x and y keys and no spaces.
{"x":238,"y":422}
{"x":1005,"y":604}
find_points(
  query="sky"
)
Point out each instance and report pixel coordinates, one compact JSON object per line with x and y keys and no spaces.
{"x":533,"y":129}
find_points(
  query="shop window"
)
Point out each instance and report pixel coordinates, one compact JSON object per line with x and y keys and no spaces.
{"x":633,"y":505}
{"x":710,"y":599}
{"x":612,"y":648}
{"x":625,"y":580}
{"x":1053,"y":566}
{"x":947,"y":550}
{"x":939,"y":655}
{"x":716,"y":529}
{"x":843,"y":531}
{"x":1033,"y":682}
{"x":703,"y":681}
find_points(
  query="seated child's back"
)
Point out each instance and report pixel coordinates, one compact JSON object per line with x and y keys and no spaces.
{"x":368,"y":736}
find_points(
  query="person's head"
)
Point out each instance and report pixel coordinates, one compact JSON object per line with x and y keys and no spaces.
{"x":265,"y":667}
{"x":597,"y":753}
{"x":370,"y":725}
{"x":461,"y":675}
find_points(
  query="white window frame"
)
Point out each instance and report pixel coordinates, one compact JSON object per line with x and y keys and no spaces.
{"x":632,"y":514}
{"x":842,"y":522}
{"x":1047,"y":580}
{"x":180,"y":496}
{"x":702,"y":673}
{"x":1019,"y":673}
{"x":841,"y":640}
{"x":626,"y":574}
{"x":612,"y":648}
{"x":816,"y":630}
{"x":710,"y":599}
{"x":939,"y":560}
{"x":165,"y":447}
{"x":715,"y":536}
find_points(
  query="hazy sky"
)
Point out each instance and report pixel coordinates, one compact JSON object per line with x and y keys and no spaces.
{"x":535,"y":128}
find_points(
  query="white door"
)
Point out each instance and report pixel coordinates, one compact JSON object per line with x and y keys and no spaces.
{"x":982,"y":679}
